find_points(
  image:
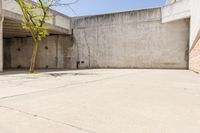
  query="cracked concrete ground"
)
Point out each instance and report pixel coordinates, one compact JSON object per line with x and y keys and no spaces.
{"x":100,"y":101}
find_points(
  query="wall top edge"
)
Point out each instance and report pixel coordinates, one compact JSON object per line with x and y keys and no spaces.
{"x":118,"y":12}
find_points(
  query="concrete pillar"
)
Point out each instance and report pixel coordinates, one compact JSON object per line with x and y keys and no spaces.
{"x":1,"y":43}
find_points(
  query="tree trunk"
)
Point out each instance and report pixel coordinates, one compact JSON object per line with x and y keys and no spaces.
{"x":33,"y":58}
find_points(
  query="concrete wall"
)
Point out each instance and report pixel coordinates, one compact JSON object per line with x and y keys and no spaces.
{"x":180,"y":9}
{"x":175,"y":10}
{"x":135,"y":39}
{"x":54,"y":52}
{"x":195,"y":21}
{"x":59,"y":20}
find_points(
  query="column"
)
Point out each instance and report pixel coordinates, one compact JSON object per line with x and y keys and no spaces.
{"x":1,"y":44}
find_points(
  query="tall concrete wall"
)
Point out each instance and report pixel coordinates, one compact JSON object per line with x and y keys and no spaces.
{"x":135,"y":39}
{"x":180,"y":9}
{"x":54,"y":52}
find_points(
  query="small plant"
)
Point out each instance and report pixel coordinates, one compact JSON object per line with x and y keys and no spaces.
{"x":19,"y":67}
{"x":32,"y":73}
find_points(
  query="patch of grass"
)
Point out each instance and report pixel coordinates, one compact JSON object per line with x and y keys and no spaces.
{"x":33,"y":73}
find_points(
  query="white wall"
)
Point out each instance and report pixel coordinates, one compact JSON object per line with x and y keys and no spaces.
{"x":181,"y":9}
{"x":173,"y":11}
{"x":11,"y":5}
{"x":195,"y":21}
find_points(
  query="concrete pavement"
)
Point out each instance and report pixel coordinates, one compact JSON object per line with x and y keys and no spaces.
{"x":100,"y":101}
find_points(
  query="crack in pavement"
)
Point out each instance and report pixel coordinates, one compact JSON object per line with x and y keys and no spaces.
{"x":66,"y":85}
{"x":45,"y":118}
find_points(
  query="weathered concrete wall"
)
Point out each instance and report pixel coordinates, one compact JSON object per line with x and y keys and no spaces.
{"x":54,"y":52}
{"x":135,"y":39}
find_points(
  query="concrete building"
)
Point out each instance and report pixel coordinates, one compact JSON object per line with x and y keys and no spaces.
{"x":165,"y":37}
{"x":16,"y":43}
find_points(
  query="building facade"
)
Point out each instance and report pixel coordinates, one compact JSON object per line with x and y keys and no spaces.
{"x":164,"y":38}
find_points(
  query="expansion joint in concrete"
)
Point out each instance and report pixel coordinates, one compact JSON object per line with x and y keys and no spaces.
{"x":45,"y":118}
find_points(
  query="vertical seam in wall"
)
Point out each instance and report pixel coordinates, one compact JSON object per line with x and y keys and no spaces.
{"x":161,"y":15}
{"x":78,"y":55}
{"x":188,"y":55}
{"x":54,"y":20}
{"x":97,"y":34}
{"x":57,"y":39}
{"x":88,"y":47}
{"x":188,"y":46}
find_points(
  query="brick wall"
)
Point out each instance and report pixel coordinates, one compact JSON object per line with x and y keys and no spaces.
{"x":195,"y":57}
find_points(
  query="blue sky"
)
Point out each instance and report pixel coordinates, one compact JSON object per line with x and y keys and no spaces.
{"x":91,"y":7}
